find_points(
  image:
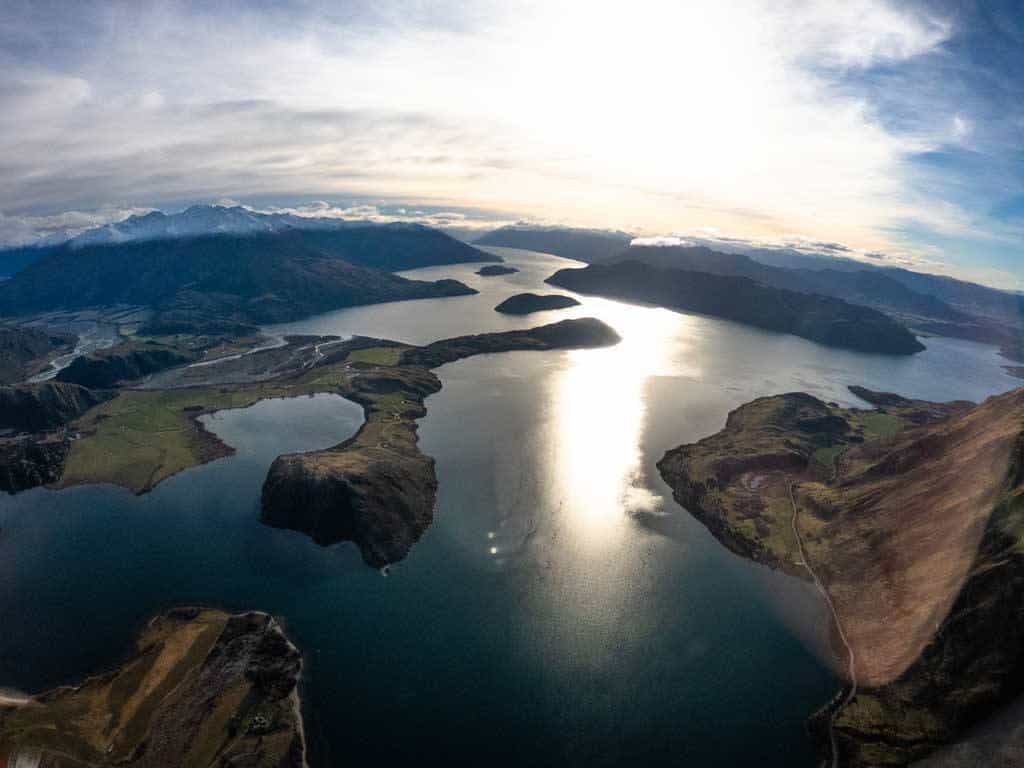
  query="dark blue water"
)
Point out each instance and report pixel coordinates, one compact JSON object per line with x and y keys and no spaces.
{"x":539,"y":621}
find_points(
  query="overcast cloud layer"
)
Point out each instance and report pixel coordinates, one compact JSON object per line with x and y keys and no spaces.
{"x":893,"y":129}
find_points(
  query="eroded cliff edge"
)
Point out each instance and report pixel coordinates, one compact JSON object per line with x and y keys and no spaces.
{"x":911,"y":517}
{"x":377,"y":488}
{"x":202,"y":688}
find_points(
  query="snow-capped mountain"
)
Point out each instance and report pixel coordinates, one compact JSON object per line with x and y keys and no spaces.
{"x":202,"y":220}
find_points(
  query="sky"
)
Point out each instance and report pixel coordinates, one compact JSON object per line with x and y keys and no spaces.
{"x":890,"y":130}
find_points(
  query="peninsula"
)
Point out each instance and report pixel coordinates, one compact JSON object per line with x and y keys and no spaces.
{"x":376,"y":488}
{"x":909,"y":519}
{"x":201,"y":688}
{"x":825,"y":320}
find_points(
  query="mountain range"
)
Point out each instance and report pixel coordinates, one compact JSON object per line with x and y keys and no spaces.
{"x":931,"y":304}
{"x":406,"y":248}
{"x":207,"y":282}
{"x":823,"y":319}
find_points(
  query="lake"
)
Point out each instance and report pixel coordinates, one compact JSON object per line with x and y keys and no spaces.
{"x":562,"y":609}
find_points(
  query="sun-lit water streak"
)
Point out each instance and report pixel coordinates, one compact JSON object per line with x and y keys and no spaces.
{"x":600,"y":408}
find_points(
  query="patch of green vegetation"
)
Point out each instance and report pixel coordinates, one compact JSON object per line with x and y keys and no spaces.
{"x":1009,"y":516}
{"x":827,"y":457}
{"x":142,"y":437}
{"x":376,"y":355}
{"x":391,"y":402}
{"x":880,"y":425}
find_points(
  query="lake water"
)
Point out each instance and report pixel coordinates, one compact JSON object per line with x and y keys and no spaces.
{"x":540,"y":620}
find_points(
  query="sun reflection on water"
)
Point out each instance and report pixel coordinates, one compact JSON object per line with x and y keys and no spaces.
{"x":599,"y":402}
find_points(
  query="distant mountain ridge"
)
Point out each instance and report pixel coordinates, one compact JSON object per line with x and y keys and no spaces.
{"x":589,"y":245}
{"x":254,"y":278}
{"x":203,"y":220}
{"x":823,"y":319}
{"x":934,"y":304}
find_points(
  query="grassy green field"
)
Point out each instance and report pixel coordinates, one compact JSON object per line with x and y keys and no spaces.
{"x":142,"y":437}
{"x":376,"y":355}
{"x":827,"y":456}
{"x":879,"y":425}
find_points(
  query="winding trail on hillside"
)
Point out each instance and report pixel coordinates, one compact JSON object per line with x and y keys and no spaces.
{"x":839,"y":629}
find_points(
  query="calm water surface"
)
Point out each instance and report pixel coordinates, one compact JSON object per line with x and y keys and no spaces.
{"x":541,"y":620}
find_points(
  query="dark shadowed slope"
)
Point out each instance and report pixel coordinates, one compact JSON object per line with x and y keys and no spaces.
{"x":395,"y":246}
{"x":526,"y":303}
{"x":826,"y":320}
{"x":260,"y":279}
{"x":25,"y":350}
{"x":872,"y":288}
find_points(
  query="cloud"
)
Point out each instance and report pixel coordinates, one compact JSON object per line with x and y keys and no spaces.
{"x":754,"y":118}
{"x":961,"y":127}
{"x":24,"y":230}
{"x":442,"y":219}
{"x":918,"y":258}
{"x":862,"y":33}
{"x":42,"y":230}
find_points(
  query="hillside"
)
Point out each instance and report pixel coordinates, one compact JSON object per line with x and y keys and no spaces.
{"x":245,"y":279}
{"x":872,"y":288}
{"x":201,"y":688}
{"x":828,"y":321}
{"x":910,"y":518}
{"x":25,"y":350}
{"x":46,"y":405}
{"x":934,"y":304}
{"x":395,"y":246}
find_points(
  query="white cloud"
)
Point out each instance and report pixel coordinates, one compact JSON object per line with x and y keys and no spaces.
{"x":962,"y":128}
{"x":861,"y":33}
{"x":39,"y":230}
{"x":651,"y":115}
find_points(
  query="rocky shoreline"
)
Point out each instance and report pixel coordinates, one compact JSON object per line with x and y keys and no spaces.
{"x":912,"y":515}
{"x":202,"y":688}
{"x":377,"y":488}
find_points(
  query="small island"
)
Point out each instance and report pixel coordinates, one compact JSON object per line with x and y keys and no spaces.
{"x":201,"y":688}
{"x":909,"y":519}
{"x":493,"y":270}
{"x":526,"y":303}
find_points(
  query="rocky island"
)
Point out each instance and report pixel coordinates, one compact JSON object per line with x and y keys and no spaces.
{"x":910,"y":520}
{"x":527,"y":303}
{"x":823,"y":319}
{"x":201,"y":688}
{"x":494,"y":270}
